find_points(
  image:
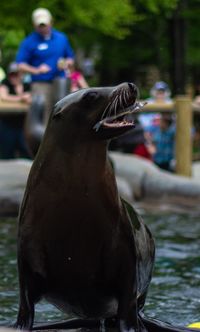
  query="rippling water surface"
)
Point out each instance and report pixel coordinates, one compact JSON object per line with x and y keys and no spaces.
{"x":174,"y":293}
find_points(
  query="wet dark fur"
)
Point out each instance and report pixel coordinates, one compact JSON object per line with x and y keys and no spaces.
{"x":80,"y":245}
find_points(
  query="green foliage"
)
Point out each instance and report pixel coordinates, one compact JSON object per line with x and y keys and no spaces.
{"x":9,"y":43}
{"x":108,"y":17}
{"x":114,"y":17}
{"x":124,"y":37}
{"x":156,"y":7}
{"x":11,"y":38}
{"x":92,"y":17}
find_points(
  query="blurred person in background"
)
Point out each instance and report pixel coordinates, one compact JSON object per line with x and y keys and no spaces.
{"x":163,"y":138}
{"x":160,"y":93}
{"x":45,"y":54}
{"x":2,"y":72}
{"x":12,"y":139}
{"x":196,"y":122}
{"x":76,"y":78}
{"x":196,"y":100}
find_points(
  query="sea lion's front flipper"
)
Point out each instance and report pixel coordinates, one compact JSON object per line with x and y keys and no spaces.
{"x":73,"y":323}
{"x":154,"y":325}
{"x":76,"y":323}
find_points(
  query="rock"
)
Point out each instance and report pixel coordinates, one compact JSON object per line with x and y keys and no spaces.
{"x":137,"y":178}
{"x":150,"y":182}
{"x":13,"y":177}
{"x":126,"y":191}
{"x":133,"y":169}
{"x":196,"y":170}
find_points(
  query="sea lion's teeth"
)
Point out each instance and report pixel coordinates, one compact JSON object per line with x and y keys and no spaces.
{"x":110,"y":121}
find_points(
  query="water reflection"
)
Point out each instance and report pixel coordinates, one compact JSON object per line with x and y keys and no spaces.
{"x":174,"y":294}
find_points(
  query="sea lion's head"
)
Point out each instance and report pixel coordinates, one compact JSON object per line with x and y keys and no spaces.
{"x":102,"y":112}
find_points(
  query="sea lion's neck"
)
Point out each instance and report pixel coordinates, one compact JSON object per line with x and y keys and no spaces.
{"x":86,"y":170}
{"x":87,"y":156}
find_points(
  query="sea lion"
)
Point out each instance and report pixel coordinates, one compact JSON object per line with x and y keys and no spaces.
{"x":80,"y":245}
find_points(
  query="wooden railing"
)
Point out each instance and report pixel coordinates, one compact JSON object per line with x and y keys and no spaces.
{"x":184,"y":109}
{"x":12,"y":107}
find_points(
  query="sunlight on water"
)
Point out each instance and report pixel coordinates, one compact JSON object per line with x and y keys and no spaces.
{"x":174,"y":293}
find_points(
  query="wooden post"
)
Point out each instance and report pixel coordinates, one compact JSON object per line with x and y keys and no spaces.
{"x":183,"y":109}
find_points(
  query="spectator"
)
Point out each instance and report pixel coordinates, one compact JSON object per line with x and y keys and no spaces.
{"x":196,"y":143}
{"x":2,"y":72}
{"x":39,"y":55}
{"x":196,"y":100}
{"x":160,"y":93}
{"x":196,"y":121}
{"x":163,"y":138}
{"x":12,"y":139}
{"x":88,"y":67}
{"x":77,"y":80}
{"x":145,"y":148}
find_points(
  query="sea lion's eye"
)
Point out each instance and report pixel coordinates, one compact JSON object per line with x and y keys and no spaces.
{"x":90,"y":96}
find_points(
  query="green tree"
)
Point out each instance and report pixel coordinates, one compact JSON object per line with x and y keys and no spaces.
{"x":82,"y":20}
{"x":125,"y":36}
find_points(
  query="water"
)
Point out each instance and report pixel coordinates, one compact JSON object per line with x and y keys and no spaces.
{"x":174,"y":293}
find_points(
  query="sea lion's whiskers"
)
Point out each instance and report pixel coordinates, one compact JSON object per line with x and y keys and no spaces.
{"x":107,"y":108}
{"x":116,"y":106}
{"x":113,"y":106}
{"x":127,"y":95}
{"x":120,"y":101}
{"x":110,"y":107}
{"x":125,"y":98}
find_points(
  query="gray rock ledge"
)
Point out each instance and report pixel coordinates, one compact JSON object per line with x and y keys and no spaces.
{"x":137,"y":179}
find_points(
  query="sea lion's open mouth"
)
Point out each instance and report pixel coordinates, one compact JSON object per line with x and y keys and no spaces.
{"x":122,"y":119}
{"x":116,"y":118}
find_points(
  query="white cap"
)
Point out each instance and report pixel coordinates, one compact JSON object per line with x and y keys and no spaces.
{"x":41,"y":16}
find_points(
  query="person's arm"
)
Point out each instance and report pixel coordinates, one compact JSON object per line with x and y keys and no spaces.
{"x":6,"y":96}
{"x":64,"y":63}
{"x":26,"y":68}
{"x":82,"y":82}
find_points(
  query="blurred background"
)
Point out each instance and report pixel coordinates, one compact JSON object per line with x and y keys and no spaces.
{"x":140,"y":41}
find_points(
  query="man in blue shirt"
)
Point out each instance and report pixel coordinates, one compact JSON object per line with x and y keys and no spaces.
{"x":45,"y":54}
